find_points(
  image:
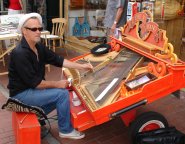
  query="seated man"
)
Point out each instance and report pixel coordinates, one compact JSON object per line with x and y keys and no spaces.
{"x":27,"y":72}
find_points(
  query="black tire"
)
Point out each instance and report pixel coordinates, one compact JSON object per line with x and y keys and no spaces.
{"x":150,"y":120}
{"x":101,"y":49}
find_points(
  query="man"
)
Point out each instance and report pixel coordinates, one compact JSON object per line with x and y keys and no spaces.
{"x":115,"y":15}
{"x":27,"y":70}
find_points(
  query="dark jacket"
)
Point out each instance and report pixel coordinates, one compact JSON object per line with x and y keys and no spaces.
{"x":25,"y":71}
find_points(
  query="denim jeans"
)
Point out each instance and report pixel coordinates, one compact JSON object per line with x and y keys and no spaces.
{"x":48,"y":100}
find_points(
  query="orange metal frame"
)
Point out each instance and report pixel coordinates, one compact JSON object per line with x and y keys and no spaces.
{"x":126,"y":106}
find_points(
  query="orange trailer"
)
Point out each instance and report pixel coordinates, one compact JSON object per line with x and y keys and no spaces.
{"x":157,"y":73}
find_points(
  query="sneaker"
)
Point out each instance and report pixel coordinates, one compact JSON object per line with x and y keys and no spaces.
{"x":72,"y":135}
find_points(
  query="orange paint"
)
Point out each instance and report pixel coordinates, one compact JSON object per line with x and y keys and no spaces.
{"x":170,"y":77}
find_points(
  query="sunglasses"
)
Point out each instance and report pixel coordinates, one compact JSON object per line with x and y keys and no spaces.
{"x":34,"y":29}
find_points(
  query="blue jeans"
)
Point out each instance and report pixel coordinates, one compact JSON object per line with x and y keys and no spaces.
{"x":48,"y":100}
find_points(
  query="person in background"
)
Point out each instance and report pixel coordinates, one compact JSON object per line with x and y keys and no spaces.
{"x":15,"y":7}
{"x":115,"y":15}
{"x":27,"y":81}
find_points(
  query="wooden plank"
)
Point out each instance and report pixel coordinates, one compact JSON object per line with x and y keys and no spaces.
{"x":84,"y":43}
{"x":76,"y":48}
{"x":75,"y":44}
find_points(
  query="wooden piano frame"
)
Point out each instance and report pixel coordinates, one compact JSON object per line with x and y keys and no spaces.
{"x":153,"y":44}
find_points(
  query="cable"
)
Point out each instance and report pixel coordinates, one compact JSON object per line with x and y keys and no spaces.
{"x":43,"y":135}
{"x":42,"y":123}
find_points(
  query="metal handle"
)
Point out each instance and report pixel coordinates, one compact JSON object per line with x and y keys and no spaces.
{"x":118,"y":113}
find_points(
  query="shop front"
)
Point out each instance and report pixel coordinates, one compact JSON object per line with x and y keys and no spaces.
{"x":168,"y":14}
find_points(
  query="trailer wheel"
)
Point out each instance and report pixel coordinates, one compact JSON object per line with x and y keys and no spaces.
{"x":145,"y":122}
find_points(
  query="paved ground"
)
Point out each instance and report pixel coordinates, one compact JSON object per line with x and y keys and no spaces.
{"x":113,"y":132}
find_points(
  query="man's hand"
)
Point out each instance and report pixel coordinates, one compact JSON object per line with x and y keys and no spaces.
{"x":62,"y":84}
{"x":69,"y":64}
{"x":87,"y":66}
{"x":53,"y":84}
{"x":117,"y":19}
{"x":113,"y":29}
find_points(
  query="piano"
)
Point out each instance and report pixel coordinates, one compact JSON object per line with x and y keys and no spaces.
{"x":143,"y":70}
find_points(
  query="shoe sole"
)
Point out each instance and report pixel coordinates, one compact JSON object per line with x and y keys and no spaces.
{"x":70,"y":137}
